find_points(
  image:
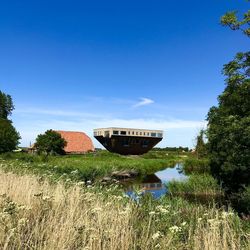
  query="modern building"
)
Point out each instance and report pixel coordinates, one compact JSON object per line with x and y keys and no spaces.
{"x":77,"y":142}
{"x":128,"y":141}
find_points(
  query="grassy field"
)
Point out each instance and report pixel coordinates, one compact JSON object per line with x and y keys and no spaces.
{"x":35,"y":214}
{"x":55,"y":203}
{"x":89,"y":166}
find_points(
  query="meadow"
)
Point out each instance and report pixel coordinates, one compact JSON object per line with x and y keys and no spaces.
{"x":35,"y":214}
{"x":58,"y":203}
{"x":89,"y":166}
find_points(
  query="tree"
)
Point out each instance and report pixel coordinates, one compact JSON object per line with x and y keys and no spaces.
{"x":50,"y":142}
{"x":231,"y":20}
{"x":229,"y":123}
{"x":201,"y":147}
{"x":9,"y":137}
{"x":6,"y":105}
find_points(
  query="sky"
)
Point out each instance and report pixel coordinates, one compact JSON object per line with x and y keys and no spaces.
{"x":79,"y":65}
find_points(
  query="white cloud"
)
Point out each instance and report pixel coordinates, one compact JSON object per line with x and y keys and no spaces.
{"x":176,"y":132}
{"x":143,"y":101}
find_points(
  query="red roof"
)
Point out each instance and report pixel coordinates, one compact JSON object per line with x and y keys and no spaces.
{"x":77,"y":142}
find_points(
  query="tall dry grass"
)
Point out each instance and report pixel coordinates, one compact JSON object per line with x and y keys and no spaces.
{"x":35,"y":214}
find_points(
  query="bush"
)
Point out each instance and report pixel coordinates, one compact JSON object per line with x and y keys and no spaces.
{"x":241,"y":201}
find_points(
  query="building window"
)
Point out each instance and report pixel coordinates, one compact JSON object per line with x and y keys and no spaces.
{"x":159,"y":134}
{"x":115,"y":132}
{"x":148,"y":133}
{"x":140,"y":133}
{"x":129,"y":132}
{"x":125,"y":143}
{"x":136,"y":133}
{"x":95,"y":133}
{"x":144,"y":133}
{"x":123,"y":132}
{"x":145,"y":143}
{"x":133,"y":133}
{"x":153,"y":134}
{"x":106,"y":133}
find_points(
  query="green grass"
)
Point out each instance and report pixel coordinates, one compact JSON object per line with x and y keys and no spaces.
{"x":193,"y":165}
{"x":89,"y":166}
{"x":195,"y":184}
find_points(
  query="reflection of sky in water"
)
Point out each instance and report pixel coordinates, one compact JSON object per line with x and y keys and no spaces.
{"x":170,"y":174}
{"x":155,"y":193}
{"x":164,"y":176}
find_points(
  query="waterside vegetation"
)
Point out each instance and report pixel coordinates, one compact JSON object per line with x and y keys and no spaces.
{"x":75,"y":216}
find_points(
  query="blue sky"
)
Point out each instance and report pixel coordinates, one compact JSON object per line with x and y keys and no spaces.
{"x":79,"y":65}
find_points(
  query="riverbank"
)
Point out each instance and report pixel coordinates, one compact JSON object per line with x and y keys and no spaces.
{"x":36,"y":214}
{"x":87,"y":167}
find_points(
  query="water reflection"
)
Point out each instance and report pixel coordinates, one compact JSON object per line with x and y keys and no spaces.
{"x":155,"y":184}
{"x":149,"y":184}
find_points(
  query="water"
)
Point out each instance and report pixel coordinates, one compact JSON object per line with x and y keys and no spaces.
{"x":154,"y":184}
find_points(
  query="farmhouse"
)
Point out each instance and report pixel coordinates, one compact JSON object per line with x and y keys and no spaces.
{"x":77,"y":142}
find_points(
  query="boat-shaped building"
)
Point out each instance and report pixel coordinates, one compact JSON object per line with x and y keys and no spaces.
{"x":128,"y":141}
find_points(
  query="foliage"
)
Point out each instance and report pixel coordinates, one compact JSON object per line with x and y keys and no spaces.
{"x":231,"y":20}
{"x":9,"y":137}
{"x":6,"y":105}
{"x":50,"y":142}
{"x":201,"y":147}
{"x":241,"y":201}
{"x":229,"y":127}
{"x":196,"y":166}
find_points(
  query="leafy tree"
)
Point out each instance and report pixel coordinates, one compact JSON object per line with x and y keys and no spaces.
{"x":231,"y":20}
{"x":6,"y":105}
{"x":201,"y":147}
{"x":50,"y":142}
{"x":9,"y":137}
{"x":229,"y":123}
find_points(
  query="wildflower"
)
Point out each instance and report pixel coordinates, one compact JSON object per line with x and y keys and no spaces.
{"x":22,"y":221}
{"x":184,"y":223}
{"x":118,"y":198}
{"x":199,"y":219}
{"x":89,"y":182}
{"x":46,"y":198}
{"x":158,"y":246}
{"x":74,"y":171}
{"x":96,"y":209}
{"x":80,"y":183}
{"x":175,"y":229}
{"x":164,"y":211}
{"x":156,"y":235}
{"x":225,"y":214}
{"x":152,"y":213}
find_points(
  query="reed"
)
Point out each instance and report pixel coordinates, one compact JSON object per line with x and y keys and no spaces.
{"x":35,"y":214}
